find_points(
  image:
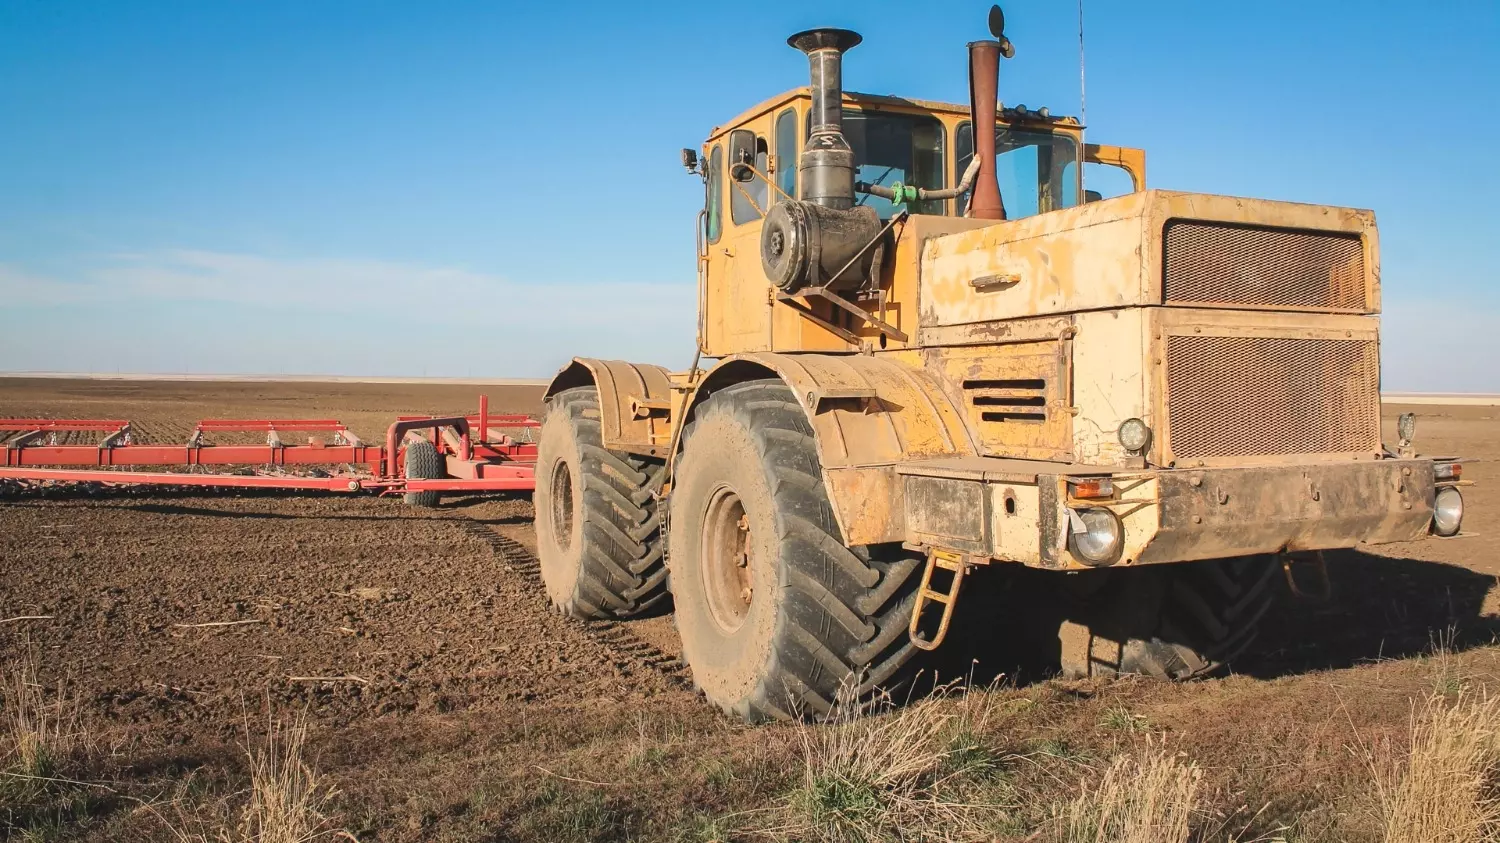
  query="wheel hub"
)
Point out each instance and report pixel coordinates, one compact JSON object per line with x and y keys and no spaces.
{"x":560,"y":490}
{"x":728,"y":559}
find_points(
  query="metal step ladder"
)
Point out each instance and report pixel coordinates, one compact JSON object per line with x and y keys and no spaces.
{"x":926,"y":594}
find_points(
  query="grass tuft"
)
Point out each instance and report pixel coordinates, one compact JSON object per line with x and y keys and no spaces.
{"x":1147,"y":799}
{"x":872,"y":770}
{"x":1120,"y":719}
{"x":42,"y":746}
{"x":41,"y":733}
{"x":567,"y":813}
{"x":287,"y":800}
{"x":1441,"y":786}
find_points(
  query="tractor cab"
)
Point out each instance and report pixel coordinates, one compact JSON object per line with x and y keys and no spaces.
{"x":910,"y":158}
{"x":914,"y":143}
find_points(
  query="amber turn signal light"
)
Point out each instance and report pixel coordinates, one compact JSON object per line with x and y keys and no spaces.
{"x":1091,"y":488}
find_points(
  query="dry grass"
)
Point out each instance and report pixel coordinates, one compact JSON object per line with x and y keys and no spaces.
{"x":1151,"y":798}
{"x":42,"y":747}
{"x":1441,"y":787}
{"x":287,"y":801}
{"x":40,"y":733}
{"x":871,"y":770}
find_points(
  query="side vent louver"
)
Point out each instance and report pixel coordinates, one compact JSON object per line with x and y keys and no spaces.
{"x":1010,"y":400}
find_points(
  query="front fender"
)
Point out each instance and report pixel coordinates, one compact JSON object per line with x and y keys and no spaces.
{"x":868,"y":414}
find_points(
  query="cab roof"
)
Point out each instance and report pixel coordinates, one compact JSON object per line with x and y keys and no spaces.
{"x":876,"y":101}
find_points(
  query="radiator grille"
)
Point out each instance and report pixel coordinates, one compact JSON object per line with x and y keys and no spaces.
{"x":1250,"y":396}
{"x":1215,"y":263}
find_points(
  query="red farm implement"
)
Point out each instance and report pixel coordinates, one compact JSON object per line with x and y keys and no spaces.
{"x":478,"y":453}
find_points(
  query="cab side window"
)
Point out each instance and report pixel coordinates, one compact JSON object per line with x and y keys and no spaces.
{"x":748,"y":200}
{"x":1105,"y":181}
{"x":714,"y":198}
{"x":788,"y":147}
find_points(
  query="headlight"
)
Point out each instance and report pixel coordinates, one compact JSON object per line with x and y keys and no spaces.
{"x":1135,"y":436}
{"x":1095,"y":535}
{"x":1447,"y":512}
{"x":1406,"y":428}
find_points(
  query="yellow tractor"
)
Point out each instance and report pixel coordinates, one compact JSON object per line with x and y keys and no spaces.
{"x":935,"y":350}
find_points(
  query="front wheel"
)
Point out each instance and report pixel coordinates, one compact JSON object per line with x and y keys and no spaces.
{"x":775,"y":613}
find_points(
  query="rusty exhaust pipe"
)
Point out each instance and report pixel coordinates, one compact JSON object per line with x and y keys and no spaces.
{"x":984,"y":96}
{"x":825,"y":173}
{"x":984,"y":86}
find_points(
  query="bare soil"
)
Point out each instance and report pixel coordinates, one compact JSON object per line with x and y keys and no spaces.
{"x":448,"y":702}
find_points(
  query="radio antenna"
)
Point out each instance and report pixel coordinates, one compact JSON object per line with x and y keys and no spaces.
{"x":1083,"y":109}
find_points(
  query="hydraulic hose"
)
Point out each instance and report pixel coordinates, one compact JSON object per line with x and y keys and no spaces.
{"x":903,"y":193}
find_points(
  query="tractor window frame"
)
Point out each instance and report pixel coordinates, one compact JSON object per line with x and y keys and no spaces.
{"x":787,"y":159}
{"x":713,"y":200}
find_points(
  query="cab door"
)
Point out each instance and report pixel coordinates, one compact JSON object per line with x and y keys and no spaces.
{"x":737,"y":296}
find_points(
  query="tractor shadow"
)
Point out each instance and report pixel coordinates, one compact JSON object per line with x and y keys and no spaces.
{"x":1382,"y":607}
{"x":1005,"y":626}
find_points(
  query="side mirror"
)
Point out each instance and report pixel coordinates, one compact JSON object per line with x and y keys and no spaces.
{"x":742,"y":155}
{"x":690,"y":160}
{"x":1092,"y":196}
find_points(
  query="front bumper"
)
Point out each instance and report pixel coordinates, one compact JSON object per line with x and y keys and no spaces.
{"x":1235,"y":512}
{"x":1018,"y":511}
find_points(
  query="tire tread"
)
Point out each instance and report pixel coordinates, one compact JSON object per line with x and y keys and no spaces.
{"x":623,"y":572}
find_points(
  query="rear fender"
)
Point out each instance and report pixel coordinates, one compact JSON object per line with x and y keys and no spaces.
{"x":867,"y":414}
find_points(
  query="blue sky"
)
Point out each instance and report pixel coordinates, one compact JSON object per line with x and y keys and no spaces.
{"x":484,"y":189}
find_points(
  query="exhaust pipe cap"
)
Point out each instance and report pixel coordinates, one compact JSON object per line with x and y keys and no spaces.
{"x":825,"y":39}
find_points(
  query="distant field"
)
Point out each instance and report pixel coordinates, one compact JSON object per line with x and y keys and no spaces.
{"x":1460,"y":399}
{"x":169,"y":378}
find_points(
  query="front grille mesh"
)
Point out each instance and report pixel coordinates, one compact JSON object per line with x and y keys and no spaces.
{"x":1248,"y":396}
{"x":1216,"y":263}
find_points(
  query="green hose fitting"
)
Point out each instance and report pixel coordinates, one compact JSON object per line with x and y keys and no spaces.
{"x":904,"y":193}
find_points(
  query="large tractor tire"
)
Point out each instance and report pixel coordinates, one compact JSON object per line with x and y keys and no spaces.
{"x":776,"y":614}
{"x":597,"y":528}
{"x":1178,"y":621}
{"x":423,"y":462}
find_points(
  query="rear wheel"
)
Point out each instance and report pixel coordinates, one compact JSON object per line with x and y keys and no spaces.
{"x":598,"y":532}
{"x":423,"y":462}
{"x":774,"y":611}
{"x":1177,"y":621}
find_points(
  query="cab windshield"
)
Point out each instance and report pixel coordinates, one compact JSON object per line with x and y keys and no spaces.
{"x":890,"y":148}
{"x":1038,"y":170}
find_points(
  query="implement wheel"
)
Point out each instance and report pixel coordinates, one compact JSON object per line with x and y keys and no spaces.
{"x":423,"y":462}
{"x":774,"y":611}
{"x":597,"y":529}
{"x":1174,"y":621}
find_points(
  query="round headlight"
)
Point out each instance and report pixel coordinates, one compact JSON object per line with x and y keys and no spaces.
{"x":1406,"y":428}
{"x":1447,"y":512}
{"x":1135,"y":436}
{"x":1100,"y":539}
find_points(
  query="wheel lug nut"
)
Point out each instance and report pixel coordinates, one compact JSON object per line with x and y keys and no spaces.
{"x":745,"y":594}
